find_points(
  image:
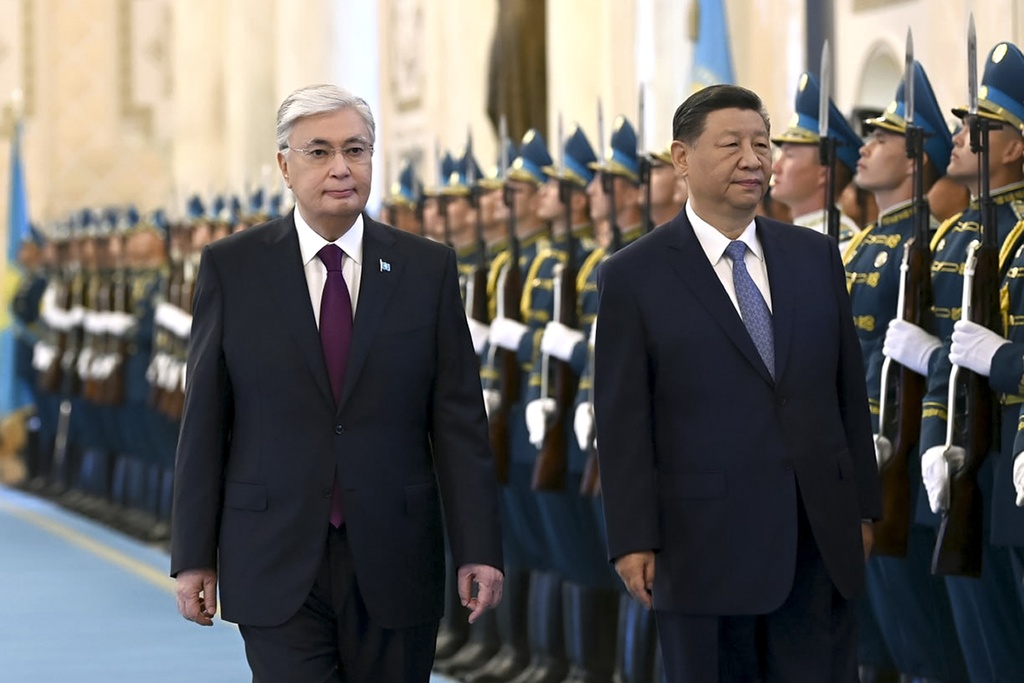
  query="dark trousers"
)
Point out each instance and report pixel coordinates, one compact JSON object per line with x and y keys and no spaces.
{"x":332,"y":638}
{"x":811,"y":637}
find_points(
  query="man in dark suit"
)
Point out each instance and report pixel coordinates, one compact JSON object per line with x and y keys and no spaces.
{"x":737,"y":465}
{"x":312,"y":467}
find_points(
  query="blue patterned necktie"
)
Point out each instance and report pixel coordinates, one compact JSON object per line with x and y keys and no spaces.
{"x":335,"y":338}
{"x":753,"y":309}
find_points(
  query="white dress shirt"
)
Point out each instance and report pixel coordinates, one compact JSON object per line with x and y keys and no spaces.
{"x":714,"y":243}
{"x":310,"y":243}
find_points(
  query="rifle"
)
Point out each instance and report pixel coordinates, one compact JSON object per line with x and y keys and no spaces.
{"x":50,"y":379}
{"x":827,"y":146}
{"x":644,"y":169}
{"x":510,"y":292}
{"x":550,"y":468}
{"x":960,"y":539}
{"x":591,"y":483}
{"x":113,"y":385}
{"x":915,"y":298}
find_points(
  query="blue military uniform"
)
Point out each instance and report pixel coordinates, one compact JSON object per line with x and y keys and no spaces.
{"x":911,"y":605}
{"x":989,"y":631}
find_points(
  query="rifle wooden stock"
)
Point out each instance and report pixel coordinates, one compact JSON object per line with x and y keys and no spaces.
{"x":893,"y":529}
{"x":552,"y":460}
{"x":508,"y":368}
{"x":590,"y":485}
{"x":960,"y":539}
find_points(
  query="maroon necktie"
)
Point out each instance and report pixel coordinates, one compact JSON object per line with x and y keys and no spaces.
{"x":335,"y":338}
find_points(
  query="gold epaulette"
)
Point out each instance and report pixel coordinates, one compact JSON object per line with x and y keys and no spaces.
{"x":943,"y":229}
{"x":851,"y":248}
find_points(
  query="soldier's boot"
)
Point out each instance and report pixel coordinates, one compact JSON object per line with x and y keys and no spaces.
{"x":480,"y":646}
{"x":514,"y":655}
{"x":637,"y":635}
{"x":40,"y":477}
{"x":546,"y":633}
{"x":155,"y":529}
{"x":453,"y":630}
{"x":94,"y":500}
{"x":590,"y":618}
{"x":166,"y":495}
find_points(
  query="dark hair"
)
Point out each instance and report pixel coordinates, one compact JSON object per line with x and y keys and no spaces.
{"x":690,"y":117}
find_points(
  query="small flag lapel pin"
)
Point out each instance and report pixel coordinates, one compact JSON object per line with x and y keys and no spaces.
{"x":385,"y":267}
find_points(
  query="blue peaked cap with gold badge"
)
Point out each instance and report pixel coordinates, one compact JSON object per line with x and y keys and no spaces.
{"x":406,"y":191}
{"x":621,"y":158}
{"x":579,"y":159}
{"x":493,"y":180}
{"x":803,"y":127}
{"x":463,"y":176}
{"x":533,"y":157}
{"x":938,"y":143}
{"x":1001,"y":94}
{"x":447,"y":167}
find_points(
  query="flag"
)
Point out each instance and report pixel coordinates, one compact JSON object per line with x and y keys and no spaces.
{"x":712,"y":58}
{"x":13,"y":394}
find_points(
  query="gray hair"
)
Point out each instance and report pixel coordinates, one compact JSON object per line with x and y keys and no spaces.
{"x":319,"y":99}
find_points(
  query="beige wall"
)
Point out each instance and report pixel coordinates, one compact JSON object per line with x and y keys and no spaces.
{"x":146,"y":101}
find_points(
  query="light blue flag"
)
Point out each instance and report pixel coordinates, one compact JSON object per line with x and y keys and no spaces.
{"x":13,"y":393}
{"x":712,"y":57}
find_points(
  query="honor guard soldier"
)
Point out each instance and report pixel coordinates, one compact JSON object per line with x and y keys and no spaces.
{"x":460,"y":215}
{"x":615,"y":209}
{"x":906,"y":603}
{"x":990,"y":624}
{"x":432,"y":211}
{"x":404,"y":199}
{"x":589,"y":589}
{"x":512,"y":339}
{"x":798,"y":177}
{"x":666,"y":190}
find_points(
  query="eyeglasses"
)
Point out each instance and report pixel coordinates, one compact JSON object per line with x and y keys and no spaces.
{"x":323,"y":154}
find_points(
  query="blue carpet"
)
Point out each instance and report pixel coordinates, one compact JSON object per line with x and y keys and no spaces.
{"x":79,"y":601}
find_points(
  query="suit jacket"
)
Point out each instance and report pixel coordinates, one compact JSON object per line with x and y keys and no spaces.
{"x":261,"y":434}
{"x":702,"y":453}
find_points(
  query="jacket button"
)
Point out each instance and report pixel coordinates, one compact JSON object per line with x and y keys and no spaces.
{"x":327,"y":491}
{"x":338,"y":429}
{"x":781,"y":401}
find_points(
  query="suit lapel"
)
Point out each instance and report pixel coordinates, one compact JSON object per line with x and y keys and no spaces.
{"x":290,"y":294}
{"x":693,"y":268}
{"x":382,"y":268}
{"x":783,"y":288}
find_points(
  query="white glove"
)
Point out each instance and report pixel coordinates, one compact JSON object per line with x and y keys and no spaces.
{"x":883,"y":450}
{"x":1018,"y":478}
{"x":935,"y":475}
{"x":478,"y":331}
{"x":540,"y":413}
{"x":583,"y":425}
{"x":909,"y":345}
{"x":559,"y":340}
{"x":507,"y":333}
{"x":492,"y":401}
{"x":974,"y":346}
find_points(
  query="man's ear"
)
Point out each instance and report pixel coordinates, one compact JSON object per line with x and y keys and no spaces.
{"x":282,"y":163}
{"x":680,"y":158}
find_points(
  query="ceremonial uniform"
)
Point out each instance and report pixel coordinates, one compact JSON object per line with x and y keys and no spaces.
{"x":990,"y":631}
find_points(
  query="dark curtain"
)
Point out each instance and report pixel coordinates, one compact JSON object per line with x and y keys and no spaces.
{"x":517,"y":76}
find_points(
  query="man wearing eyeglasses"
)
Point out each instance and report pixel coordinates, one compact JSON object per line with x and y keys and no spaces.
{"x":333,"y":402}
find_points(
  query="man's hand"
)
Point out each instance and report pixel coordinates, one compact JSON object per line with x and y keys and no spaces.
{"x":935,"y":476}
{"x":583,"y":425}
{"x":1018,"y":478}
{"x":637,"y":571}
{"x":560,"y":340}
{"x":540,"y":415}
{"x":197,"y":595}
{"x":867,"y":535}
{"x":909,"y":345}
{"x":974,"y":346}
{"x":507,"y":333}
{"x":489,"y":582}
